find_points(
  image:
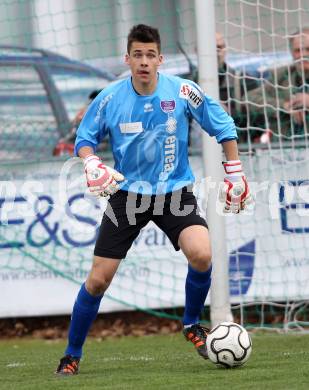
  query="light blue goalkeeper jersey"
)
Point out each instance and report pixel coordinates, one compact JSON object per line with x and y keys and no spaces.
{"x":149,"y":134}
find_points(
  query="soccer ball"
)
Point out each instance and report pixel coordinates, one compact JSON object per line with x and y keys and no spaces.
{"x":228,"y":345}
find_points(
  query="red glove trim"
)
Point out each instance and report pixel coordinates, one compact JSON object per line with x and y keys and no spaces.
{"x":231,"y":168}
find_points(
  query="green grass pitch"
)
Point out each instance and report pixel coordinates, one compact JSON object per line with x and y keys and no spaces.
{"x":155,"y":362}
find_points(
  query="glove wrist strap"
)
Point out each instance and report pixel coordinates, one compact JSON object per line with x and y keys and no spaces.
{"x":89,"y":158}
{"x":232,"y":167}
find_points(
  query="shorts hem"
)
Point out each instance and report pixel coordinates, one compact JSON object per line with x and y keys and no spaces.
{"x":201,"y":223}
{"x":111,"y":255}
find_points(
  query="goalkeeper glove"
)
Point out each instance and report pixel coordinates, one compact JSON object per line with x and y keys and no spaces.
{"x":235,"y":191}
{"x":101,"y":180}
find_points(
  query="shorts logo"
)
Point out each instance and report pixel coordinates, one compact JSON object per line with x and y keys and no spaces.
{"x":168,"y":106}
{"x":192,"y":94}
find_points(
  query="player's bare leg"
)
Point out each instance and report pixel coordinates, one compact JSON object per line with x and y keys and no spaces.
{"x":101,"y":274}
{"x":85,"y":311}
{"x":195,"y":244}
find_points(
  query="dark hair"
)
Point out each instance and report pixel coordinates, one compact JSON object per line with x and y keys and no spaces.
{"x":94,"y":94}
{"x":145,"y":34}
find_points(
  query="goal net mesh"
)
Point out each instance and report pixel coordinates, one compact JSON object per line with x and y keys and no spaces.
{"x":266,"y":46}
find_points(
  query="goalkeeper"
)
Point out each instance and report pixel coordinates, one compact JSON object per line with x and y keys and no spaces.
{"x":146,"y":117}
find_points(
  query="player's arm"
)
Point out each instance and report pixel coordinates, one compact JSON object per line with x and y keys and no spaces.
{"x":101,"y":179}
{"x":85,"y":151}
{"x":216,"y":122}
{"x":230,"y":149}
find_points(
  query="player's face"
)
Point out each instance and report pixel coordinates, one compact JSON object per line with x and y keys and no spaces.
{"x":300,"y":52}
{"x":144,"y":60}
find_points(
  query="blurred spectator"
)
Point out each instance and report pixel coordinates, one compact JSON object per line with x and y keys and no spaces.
{"x":65,"y":145}
{"x":233,"y":85}
{"x":280,"y":107}
{"x":79,"y":116}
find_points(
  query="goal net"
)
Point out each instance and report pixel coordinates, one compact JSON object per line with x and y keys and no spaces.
{"x":265,"y":43}
{"x":48,"y":226}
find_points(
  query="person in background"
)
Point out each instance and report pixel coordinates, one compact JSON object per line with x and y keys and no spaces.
{"x":79,"y":116}
{"x":280,"y":106}
{"x":233,"y":86}
{"x":65,"y":145}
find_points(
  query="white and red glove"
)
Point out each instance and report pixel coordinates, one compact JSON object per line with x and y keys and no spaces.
{"x":234,"y":192}
{"x":101,"y":180}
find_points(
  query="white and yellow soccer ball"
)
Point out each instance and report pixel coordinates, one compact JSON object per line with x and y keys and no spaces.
{"x":228,"y":345}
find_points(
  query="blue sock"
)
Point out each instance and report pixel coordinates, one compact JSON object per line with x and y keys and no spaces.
{"x":197,"y":287}
{"x":84,"y":313}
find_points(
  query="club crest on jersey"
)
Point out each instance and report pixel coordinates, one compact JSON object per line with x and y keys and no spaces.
{"x":168,"y":106}
{"x":192,"y":94}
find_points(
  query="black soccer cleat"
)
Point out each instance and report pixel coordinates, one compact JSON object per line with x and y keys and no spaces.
{"x":197,"y":334}
{"x":68,"y":366}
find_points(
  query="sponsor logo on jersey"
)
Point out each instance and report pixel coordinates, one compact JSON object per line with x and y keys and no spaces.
{"x":168,"y":106}
{"x":193,"y":95}
{"x":131,"y":127}
{"x":148,"y":107}
{"x":169,"y":156}
{"x":171,"y":125}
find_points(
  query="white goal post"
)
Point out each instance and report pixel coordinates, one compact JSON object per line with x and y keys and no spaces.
{"x":212,"y":158}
